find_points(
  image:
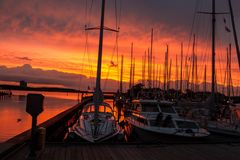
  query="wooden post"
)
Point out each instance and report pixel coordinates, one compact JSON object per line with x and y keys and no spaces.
{"x":34,"y":107}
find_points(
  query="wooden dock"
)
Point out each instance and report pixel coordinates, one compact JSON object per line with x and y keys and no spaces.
{"x":71,"y":151}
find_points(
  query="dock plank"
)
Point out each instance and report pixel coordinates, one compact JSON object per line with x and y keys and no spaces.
{"x":64,"y":151}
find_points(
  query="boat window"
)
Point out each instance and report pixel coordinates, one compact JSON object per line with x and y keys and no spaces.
{"x":187,"y":124}
{"x":150,"y":107}
{"x":101,"y":109}
{"x":108,"y":110}
{"x":92,"y":108}
{"x":87,"y":109}
{"x":167,"y":108}
{"x":167,"y":122}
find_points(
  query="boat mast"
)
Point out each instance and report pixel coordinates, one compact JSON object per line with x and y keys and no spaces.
{"x":176,"y":87}
{"x":205,"y":79}
{"x":131,"y":69}
{"x":213,"y":53}
{"x":133,"y":73}
{"x":98,"y":96}
{"x":121,"y":75}
{"x":193,"y":64}
{"x":151,"y":60}
{"x":169,"y":75}
{"x":153,"y":71}
{"x":234,"y":31}
{"x":166,"y":70}
{"x":143,"y":68}
{"x":181,"y":67}
{"x":159,"y":77}
{"x":196,"y":74}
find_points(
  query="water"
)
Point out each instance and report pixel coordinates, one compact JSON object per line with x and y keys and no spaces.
{"x":14,"y":119}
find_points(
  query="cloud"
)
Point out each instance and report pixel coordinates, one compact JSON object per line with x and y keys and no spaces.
{"x":36,"y":75}
{"x":24,"y":58}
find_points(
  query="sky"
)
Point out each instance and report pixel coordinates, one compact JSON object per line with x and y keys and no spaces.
{"x":46,"y":42}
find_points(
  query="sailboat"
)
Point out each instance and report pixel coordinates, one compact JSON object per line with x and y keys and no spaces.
{"x":226,"y":122}
{"x":96,"y":121}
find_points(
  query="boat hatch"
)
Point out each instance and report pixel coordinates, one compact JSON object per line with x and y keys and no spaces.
{"x":186,"y":124}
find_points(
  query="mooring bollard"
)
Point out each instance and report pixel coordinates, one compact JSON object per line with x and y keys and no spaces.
{"x":41,"y":138}
{"x":34,"y":107}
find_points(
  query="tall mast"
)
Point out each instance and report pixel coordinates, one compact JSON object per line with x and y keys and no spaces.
{"x":181,"y":67}
{"x":156,"y":78}
{"x":229,"y":71}
{"x":98,"y":96}
{"x":196,"y":74}
{"x":176,"y":87}
{"x":187,"y":73}
{"x":133,"y":73}
{"x":159,"y":76}
{"x":151,"y":59}
{"x":153,"y":71}
{"x":144,"y":67}
{"x":205,"y":79}
{"x":166,"y":69}
{"x":169,"y":76}
{"x":234,"y":31}
{"x":131,"y":69}
{"x":193,"y":63}
{"x":213,"y":53}
{"x":121,"y":75}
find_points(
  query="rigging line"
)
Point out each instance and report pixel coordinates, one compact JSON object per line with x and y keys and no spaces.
{"x":222,"y":44}
{"x":90,"y":12}
{"x":120,"y":12}
{"x":192,"y":26}
{"x":90,"y":64}
{"x":87,"y":51}
{"x":116,"y":14}
{"x":115,"y":50}
{"x":117,"y":28}
{"x":86,"y":9}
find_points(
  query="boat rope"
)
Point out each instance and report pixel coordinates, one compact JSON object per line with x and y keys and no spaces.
{"x":115,"y":48}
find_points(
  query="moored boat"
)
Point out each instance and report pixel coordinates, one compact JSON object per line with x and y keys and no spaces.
{"x":152,"y":120}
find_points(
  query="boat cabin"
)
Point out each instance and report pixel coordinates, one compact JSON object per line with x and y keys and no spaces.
{"x":153,"y":106}
{"x":153,"y":113}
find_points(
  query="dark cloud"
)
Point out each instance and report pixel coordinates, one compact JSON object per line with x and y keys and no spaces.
{"x":69,"y":17}
{"x":36,"y":75}
{"x":24,"y":58}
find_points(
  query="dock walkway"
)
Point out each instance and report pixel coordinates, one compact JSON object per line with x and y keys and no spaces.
{"x":75,"y":151}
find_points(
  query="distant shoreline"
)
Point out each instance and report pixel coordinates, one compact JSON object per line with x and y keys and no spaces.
{"x":45,"y":89}
{"x":41,"y":89}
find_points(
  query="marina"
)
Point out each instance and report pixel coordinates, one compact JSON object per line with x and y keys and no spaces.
{"x":153,"y":114}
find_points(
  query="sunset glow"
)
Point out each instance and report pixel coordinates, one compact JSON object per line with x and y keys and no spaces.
{"x":50,"y":35}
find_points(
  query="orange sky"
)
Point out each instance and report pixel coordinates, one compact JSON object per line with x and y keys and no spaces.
{"x":51,"y":36}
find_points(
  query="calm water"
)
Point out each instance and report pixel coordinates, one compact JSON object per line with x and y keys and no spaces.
{"x":14,"y":119}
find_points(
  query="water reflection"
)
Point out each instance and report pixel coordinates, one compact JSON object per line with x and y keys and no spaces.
{"x":14,"y":119}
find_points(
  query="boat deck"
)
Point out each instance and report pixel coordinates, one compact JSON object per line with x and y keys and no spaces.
{"x":69,"y":151}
